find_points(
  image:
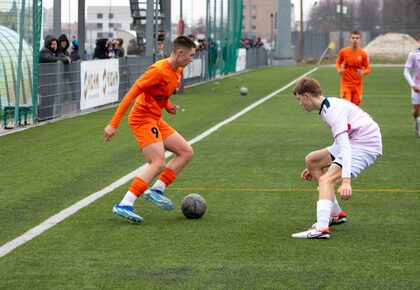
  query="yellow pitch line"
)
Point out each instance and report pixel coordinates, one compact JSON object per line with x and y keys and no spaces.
{"x":289,"y":189}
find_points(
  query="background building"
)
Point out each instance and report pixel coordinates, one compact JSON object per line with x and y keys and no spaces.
{"x":101,"y":22}
{"x":258,"y":19}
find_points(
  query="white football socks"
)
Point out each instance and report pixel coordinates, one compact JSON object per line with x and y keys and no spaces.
{"x":323,"y":212}
{"x":128,"y":199}
{"x":159,"y":185}
{"x":336,"y":209}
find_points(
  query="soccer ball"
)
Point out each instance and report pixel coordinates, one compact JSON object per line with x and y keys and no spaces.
{"x":193,"y":206}
{"x":243,"y":91}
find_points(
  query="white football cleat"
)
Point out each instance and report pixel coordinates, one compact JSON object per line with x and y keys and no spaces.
{"x":313,"y":234}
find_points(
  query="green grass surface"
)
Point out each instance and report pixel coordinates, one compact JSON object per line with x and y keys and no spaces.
{"x":247,"y":171}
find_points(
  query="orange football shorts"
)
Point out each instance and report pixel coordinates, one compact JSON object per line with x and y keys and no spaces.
{"x":352,"y":94}
{"x":148,"y":130}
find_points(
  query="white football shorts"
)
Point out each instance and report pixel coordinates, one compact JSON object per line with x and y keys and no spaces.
{"x":415,"y":98}
{"x":360,"y":158}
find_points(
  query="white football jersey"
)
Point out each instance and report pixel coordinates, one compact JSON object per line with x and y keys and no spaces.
{"x":344,"y":116}
{"x":413,"y":62}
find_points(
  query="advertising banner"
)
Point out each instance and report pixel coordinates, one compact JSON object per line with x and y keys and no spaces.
{"x":99,"y":82}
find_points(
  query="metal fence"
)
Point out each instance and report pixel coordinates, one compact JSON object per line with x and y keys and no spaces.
{"x":59,"y":84}
{"x":257,"y":57}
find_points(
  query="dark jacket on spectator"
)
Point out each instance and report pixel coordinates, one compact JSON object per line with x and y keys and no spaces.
{"x":63,"y":50}
{"x":132,"y":47}
{"x":75,"y":56}
{"x":48,"y":54}
{"x":101,"y":51}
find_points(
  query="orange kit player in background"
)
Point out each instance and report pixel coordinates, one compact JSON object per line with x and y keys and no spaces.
{"x":154,"y":136}
{"x":352,"y":63}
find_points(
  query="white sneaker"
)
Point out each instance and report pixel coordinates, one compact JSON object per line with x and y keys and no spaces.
{"x":313,"y":234}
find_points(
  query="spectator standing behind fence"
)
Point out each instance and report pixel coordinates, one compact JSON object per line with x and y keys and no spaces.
{"x":161,"y":51}
{"x":258,"y":42}
{"x":63,"y":44}
{"x":118,"y":48}
{"x":352,"y":64}
{"x":50,"y":53}
{"x":75,"y":47}
{"x":132,"y":47}
{"x":75,"y":56}
{"x":102,"y":49}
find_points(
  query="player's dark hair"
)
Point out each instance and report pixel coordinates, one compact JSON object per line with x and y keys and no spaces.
{"x":356,"y":32}
{"x":307,"y":85}
{"x":182,"y":42}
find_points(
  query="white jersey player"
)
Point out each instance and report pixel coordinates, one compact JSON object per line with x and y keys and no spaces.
{"x":413,"y":62}
{"x":357,"y":145}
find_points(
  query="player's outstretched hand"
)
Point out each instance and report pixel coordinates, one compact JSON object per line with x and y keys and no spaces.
{"x":306,"y":175}
{"x":172,"y":109}
{"x":345,"y":189}
{"x":109,"y":132}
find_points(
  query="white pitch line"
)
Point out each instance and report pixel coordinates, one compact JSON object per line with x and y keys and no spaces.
{"x":65,"y":213}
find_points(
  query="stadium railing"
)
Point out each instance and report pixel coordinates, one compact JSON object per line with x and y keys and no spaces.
{"x":59,"y":85}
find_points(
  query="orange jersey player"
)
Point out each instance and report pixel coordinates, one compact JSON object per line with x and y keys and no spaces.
{"x":352,"y":63}
{"x":154,"y":136}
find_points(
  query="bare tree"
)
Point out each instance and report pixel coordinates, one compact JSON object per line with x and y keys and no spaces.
{"x":401,"y":16}
{"x":325,"y":16}
{"x":370,"y":16}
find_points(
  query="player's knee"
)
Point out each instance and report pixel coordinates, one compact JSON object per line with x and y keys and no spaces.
{"x":188,"y":152}
{"x":310,"y":159}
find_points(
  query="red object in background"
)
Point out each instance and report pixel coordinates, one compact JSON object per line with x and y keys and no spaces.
{"x":181,"y":27}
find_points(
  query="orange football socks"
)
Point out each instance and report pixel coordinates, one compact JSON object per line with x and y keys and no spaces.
{"x":138,"y":186}
{"x":167,"y":176}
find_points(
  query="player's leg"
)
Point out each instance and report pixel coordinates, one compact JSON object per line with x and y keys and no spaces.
{"x":175,"y":143}
{"x":155,"y":155}
{"x":356,"y":95}
{"x":183,"y":153}
{"x":327,"y":183}
{"x":182,"y":150}
{"x":316,"y":161}
{"x":151,"y":142}
{"x":415,"y":100}
{"x":360,"y":160}
{"x":345,"y":93}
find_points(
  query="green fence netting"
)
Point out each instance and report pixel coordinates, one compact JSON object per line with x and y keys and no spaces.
{"x":20,"y":26}
{"x":224,"y":26}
